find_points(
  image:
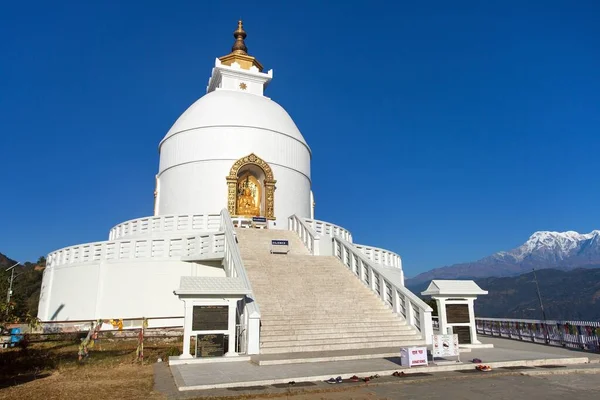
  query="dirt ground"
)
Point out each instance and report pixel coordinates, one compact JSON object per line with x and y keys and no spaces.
{"x":51,"y":371}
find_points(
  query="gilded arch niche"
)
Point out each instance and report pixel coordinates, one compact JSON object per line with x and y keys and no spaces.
{"x":246,"y":194}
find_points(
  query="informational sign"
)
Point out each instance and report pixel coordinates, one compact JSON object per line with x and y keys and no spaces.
{"x":412,"y":356}
{"x":457,"y":313}
{"x":210,"y":318}
{"x":209,"y":345}
{"x":445,"y":346}
{"x":261,"y":220}
{"x":280,"y":246}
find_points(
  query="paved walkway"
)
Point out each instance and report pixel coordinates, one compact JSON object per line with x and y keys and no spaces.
{"x":218,"y":375}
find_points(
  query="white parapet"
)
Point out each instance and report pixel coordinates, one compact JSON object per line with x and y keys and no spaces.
{"x":166,"y":224}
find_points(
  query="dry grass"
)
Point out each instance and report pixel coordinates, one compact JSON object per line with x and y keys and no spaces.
{"x":51,"y":371}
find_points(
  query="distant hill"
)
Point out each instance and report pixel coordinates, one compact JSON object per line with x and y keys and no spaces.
{"x":26,"y":285}
{"x":557,"y":250}
{"x":571,"y":295}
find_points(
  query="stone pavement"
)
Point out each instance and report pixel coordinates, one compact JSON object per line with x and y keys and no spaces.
{"x":521,"y":382}
{"x":266,"y":379}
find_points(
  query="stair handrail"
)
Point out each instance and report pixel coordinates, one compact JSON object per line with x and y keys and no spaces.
{"x":309,"y":237}
{"x":234,"y":266}
{"x":416,"y":312}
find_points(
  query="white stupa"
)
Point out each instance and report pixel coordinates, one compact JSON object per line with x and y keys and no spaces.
{"x":234,"y":159}
{"x":234,"y":131}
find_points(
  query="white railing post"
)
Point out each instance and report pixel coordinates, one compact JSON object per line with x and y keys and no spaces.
{"x":410,"y":312}
{"x":253,"y":334}
{"x":426,"y":325}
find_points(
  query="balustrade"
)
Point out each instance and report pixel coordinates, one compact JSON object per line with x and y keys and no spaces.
{"x":402,"y":301}
{"x":234,"y":267}
{"x":196,"y":246}
{"x":327,"y":229}
{"x":583,"y":335}
{"x":380,"y":256}
{"x":309,"y":237}
{"x":166,"y":224}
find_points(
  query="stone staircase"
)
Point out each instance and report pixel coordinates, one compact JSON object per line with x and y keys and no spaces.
{"x":313,"y":303}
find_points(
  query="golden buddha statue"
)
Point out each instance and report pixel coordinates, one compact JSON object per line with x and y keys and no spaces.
{"x":246,"y":204}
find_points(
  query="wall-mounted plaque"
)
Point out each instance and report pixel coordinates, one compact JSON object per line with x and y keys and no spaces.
{"x":210,"y":318}
{"x":457,"y":313}
{"x":464,"y":334}
{"x":210,"y":345}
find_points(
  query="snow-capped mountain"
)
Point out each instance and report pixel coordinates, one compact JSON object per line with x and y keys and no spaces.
{"x":564,"y":250}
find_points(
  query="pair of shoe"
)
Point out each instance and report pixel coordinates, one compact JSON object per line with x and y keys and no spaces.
{"x":476,"y":361}
{"x":354,"y":378}
{"x":401,"y":373}
{"x":334,"y":380}
{"x":484,"y":368}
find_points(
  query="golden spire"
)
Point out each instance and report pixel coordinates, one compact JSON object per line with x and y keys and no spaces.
{"x":239,"y":51}
{"x":239,"y":47}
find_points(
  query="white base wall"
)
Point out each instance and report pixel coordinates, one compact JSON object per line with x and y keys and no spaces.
{"x":129,"y":289}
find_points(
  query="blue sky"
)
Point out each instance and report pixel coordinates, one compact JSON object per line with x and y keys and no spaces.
{"x":441,"y":130}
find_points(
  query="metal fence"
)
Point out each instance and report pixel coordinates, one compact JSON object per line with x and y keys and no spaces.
{"x":584,"y":335}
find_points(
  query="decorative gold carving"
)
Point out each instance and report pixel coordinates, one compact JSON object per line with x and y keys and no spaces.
{"x":243,"y":86}
{"x":239,"y":51}
{"x":235,"y":183}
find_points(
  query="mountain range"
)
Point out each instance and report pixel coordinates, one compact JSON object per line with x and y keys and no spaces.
{"x":544,"y":249}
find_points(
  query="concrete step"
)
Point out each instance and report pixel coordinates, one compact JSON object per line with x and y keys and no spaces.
{"x":325,"y":330}
{"x":325,"y":356}
{"x":338,"y":341}
{"x":310,"y":319}
{"x":342,"y":346}
{"x":320,"y":310}
{"x":338,"y":337}
{"x":335,"y":324}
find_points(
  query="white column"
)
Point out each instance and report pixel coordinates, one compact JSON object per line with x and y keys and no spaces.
{"x":187,"y":329}
{"x":231,"y":307}
{"x":472,"y":325}
{"x":441,"y":303}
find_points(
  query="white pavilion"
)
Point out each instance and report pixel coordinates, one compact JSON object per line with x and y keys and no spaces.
{"x":234,"y":181}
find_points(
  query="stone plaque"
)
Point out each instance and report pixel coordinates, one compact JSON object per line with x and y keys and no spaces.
{"x":209,"y":345}
{"x":457,"y":313}
{"x":464,"y":334}
{"x":210,"y":318}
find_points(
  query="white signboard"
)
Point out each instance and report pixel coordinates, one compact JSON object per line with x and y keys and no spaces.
{"x":280,"y":246}
{"x":445,"y":346}
{"x":410,"y":356}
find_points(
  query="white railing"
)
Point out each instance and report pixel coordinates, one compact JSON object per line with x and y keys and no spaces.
{"x":207,"y":245}
{"x":325,"y":228}
{"x":309,"y":237}
{"x":234,"y":267}
{"x":166,"y":224}
{"x":584,"y":335}
{"x":387,"y":286}
{"x":380,"y":256}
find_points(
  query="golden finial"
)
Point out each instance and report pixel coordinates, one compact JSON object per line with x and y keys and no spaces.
{"x":239,"y":51}
{"x":239,"y":47}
